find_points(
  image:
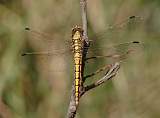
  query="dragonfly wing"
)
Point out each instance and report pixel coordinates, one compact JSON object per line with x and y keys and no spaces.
{"x":115,"y":52}
{"x":49,"y":52}
{"x":115,"y":33}
{"x":117,"y":28}
{"x":45,"y":44}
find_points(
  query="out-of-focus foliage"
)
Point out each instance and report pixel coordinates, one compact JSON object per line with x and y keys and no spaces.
{"x":39,"y":86}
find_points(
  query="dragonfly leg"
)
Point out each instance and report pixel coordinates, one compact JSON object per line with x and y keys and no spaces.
{"x":110,"y":74}
{"x":96,"y":57}
{"x":106,"y":67}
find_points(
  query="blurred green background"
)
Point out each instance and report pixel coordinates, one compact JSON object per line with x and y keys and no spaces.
{"x":39,"y":86}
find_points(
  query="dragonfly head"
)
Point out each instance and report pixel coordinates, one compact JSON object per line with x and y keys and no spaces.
{"x":77,"y":31}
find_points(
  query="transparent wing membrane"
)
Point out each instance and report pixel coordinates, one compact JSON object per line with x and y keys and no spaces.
{"x":38,"y":33}
{"x":41,"y":35}
{"x":118,"y":27}
{"x":116,"y":55}
{"x":113,"y":51}
{"x":117,"y":51}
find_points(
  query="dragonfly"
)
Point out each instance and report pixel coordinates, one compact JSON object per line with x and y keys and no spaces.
{"x":115,"y":51}
{"x":100,"y":35}
{"x":78,"y":47}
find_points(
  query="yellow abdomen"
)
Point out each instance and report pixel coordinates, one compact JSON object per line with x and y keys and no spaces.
{"x":78,"y":77}
{"x":77,"y":44}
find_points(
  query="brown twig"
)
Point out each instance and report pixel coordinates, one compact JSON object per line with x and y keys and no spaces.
{"x":5,"y":112}
{"x":110,"y":74}
{"x":72,"y":109}
{"x":83,"y":4}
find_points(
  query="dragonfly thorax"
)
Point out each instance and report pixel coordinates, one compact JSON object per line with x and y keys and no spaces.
{"x":76,"y":36}
{"x":77,"y":39}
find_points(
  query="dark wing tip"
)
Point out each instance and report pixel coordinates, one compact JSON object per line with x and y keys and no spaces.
{"x":27,"y":28}
{"x":132,"y":17}
{"x":23,"y":54}
{"x":135,"y":42}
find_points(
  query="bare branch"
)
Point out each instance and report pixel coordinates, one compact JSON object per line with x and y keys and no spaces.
{"x":5,"y":112}
{"x":110,"y":74}
{"x":72,"y":106}
{"x":83,"y":4}
{"x":111,"y":71}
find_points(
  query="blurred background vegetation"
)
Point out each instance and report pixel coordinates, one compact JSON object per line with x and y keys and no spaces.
{"x":39,"y":86}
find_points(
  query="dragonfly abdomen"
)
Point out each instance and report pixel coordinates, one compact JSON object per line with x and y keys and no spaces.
{"x":78,"y":76}
{"x":77,"y":44}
